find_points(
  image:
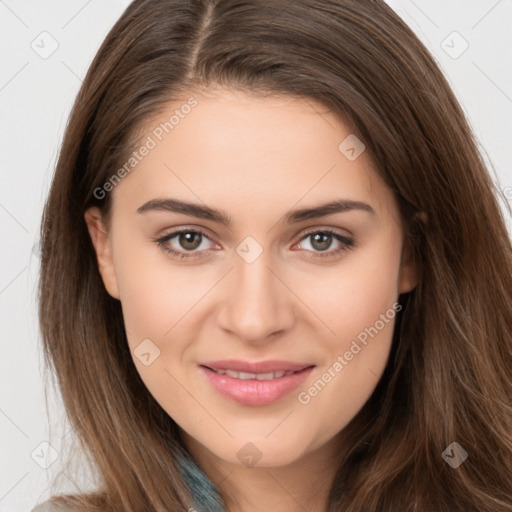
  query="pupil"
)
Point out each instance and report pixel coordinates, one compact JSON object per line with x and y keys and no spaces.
{"x":324,"y":240}
{"x":187,"y":240}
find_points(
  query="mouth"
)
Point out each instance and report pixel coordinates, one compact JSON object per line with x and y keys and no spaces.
{"x":248,"y":376}
{"x":260,"y":383}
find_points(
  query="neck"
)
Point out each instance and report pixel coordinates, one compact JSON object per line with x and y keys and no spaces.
{"x":301,"y":485}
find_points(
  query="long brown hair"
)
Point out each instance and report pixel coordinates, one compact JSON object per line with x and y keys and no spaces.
{"x":449,"y":375}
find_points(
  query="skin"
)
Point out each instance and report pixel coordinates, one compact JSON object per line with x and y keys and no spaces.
{"x":256,"y":159}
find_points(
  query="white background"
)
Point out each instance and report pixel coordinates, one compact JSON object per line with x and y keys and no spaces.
{"x":36,"y":95}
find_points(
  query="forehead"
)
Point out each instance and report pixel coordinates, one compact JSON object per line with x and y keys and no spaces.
{"x":242,"y":149}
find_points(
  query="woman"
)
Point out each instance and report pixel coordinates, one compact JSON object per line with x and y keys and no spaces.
{"x":275,"y":274}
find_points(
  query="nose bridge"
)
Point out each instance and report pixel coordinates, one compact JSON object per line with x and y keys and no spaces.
{"x":258,"y":304}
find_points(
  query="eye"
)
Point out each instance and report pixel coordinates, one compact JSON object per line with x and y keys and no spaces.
{"x":322,"y":240}
{"x":188,"y":241}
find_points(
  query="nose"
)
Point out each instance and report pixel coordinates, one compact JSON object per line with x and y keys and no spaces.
{"x":257,"y":304}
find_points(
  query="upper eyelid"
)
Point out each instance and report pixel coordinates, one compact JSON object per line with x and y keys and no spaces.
{"x":304,"y":233}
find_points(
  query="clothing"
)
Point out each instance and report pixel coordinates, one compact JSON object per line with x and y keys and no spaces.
{"x":206,"y":496}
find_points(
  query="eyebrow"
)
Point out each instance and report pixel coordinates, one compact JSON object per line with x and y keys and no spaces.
{"x":292,"y":217}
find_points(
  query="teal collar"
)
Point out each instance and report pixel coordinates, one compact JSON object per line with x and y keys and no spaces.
{"x":205,"y":494}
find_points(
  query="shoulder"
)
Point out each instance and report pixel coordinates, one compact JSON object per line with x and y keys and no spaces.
{"x":47,"y":506}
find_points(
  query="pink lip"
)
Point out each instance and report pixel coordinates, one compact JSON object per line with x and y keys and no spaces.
{"x":253,"y":391}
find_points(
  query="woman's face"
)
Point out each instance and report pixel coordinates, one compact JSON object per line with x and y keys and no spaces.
{"x":265,"y":282}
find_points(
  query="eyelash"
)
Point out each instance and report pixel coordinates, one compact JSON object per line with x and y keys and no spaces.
{"x":348,"y":244}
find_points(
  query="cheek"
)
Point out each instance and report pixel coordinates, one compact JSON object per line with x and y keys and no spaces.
{"x":359,"y":305}
{"x":155,"y":299}
{"x":155,"y":292}
{"x":353,"y":295}
{"x":354,"y":362}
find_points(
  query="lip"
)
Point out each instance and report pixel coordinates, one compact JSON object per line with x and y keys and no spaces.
{"x":252,"y":391}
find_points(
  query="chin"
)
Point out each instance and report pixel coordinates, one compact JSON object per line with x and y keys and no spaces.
{"x":259,"y":452}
